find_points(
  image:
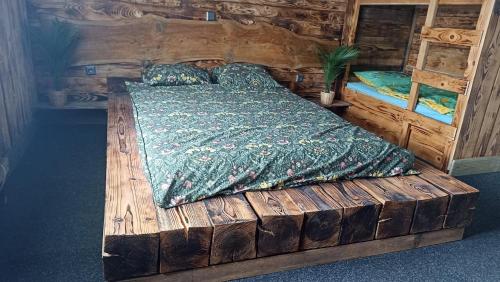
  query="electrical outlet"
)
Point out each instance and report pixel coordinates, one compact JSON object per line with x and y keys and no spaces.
{"x":90,"y":70}
{"x":211,"y":16}
{"x":299,"y":77}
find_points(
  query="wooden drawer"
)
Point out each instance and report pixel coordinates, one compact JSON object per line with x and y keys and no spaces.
{"x":429,"y":146}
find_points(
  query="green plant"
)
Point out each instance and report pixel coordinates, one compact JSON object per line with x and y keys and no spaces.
{"x":334,"y":62}
{"x":55,"y":43}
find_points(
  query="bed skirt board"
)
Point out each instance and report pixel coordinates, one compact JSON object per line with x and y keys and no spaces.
{"x":278,"y":263}
{"x":475,"y":166}
{"x":248,"y":234}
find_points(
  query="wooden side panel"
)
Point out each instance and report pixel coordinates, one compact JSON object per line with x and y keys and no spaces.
{"x":235,"y":228}
{"x":131,"y":235}
{"x":322,"y":217}
{"x":17,"y":88}
{"x":429,"y":146}
{"x":361,"y":211}
{"x":280,"y":222}
{"x":480,"y":131}
{"x":185,"y":237}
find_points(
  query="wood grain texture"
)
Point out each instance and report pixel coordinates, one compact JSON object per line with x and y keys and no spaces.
{"x":463,"y":198}
{"x":185,"y":237}
{"x":322,"y":217}
{"x":431,"y":206}
{"x":17,"y":88}
{"x":480,"y":134}
{"x":439,"y":80}
{"x":280,"y":222}
{"x":131,"y":235}
{"x":230,"y":271}
{"x":260,"y":27}
{"x":441,"y":58}
{"x":361,"y":211}
{"x":397,"y":210}
{"x":464,"y":37}
{"x":235,"y":228}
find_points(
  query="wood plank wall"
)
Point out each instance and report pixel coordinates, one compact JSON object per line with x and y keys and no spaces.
{"x":308,"y":19}
{"x":450,"y":60}
{"x":382,"y":36}
{"x":17,"y":86}
{"x":480,"y":132}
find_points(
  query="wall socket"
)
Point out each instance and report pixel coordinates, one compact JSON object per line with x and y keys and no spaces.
{"x":211,"y":16}
{"x":90,"y":70}
{"x":299,"y":77}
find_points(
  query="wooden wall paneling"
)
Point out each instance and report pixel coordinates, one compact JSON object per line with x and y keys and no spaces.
{"x":17,"y":88}
{"x":478,"y":136}
{"x":382,"y":35}
{"x":280,"y":26}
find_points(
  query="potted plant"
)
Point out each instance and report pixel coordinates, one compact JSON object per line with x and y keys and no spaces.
{"x":334,"y":63}
{"x":55,"y":43}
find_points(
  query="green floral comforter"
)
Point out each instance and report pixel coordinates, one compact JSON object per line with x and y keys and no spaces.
{"x":203,"y":140}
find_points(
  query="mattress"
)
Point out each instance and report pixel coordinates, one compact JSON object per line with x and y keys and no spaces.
{"x":420,"y":108}
{"x":205,"y":140}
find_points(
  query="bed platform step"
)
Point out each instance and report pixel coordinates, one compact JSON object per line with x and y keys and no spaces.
{"x":440,"y":80}
{"x":461,"y":37}
{"x":259,"y":232}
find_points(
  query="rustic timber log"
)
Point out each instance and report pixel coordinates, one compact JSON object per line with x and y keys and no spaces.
{"x":361,"y":211}
{"x":322,"y":217}
{"x":463,"y":198}
{"x":280,"y":222}
{"x":185,"y":237}
{"x":235,"y":227}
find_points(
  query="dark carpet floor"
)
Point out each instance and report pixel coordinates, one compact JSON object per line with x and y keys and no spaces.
{"x":51,"y":223}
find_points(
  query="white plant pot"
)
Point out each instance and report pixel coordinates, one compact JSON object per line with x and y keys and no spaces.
{"x":327,"y":98}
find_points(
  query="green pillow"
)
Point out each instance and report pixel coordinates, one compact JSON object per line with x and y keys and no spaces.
{"x":175,"y":75}
{"x":241,"y":75}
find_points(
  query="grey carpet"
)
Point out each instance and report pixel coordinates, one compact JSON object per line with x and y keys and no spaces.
{"x":51,"y":223}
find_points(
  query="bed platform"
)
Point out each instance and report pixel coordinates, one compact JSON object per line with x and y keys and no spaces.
{"x":266,"y":231}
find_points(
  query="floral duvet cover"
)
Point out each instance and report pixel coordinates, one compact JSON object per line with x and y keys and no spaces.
{"x":203,"y":140}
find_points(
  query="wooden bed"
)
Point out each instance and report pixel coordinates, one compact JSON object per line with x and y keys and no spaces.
{"x":254,"y":233}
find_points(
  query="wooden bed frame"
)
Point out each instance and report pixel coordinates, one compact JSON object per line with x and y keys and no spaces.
{"x":266,"y":231}
{"x":429,"y":139}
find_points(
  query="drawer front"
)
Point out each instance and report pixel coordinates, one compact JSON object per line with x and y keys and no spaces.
{"x":429,"y":146}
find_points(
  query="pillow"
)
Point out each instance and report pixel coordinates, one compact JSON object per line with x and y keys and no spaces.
{"x":243,"y":76}
{"x":175,"y":75}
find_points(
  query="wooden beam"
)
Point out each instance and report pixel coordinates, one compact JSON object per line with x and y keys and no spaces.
{"x":397,"y":210}
{"x":420,"y":2}
{"x":280,"y":222}
{"x":432,"y":203}
{"x":259,"y":266}
{"x":131,"y":235}
{"x":322,"y":217}
{"x":235,"y":228}
{"x":185,"y":237}
{"x":422,"y":55}
{"x":462,"y":37}
{"x":439,"y":80}
{"x":463,"y":197}
{"x":361,"y":211}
